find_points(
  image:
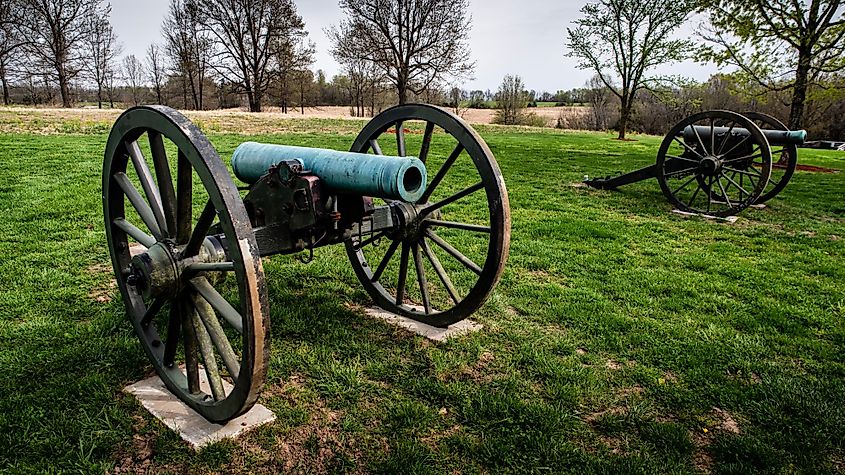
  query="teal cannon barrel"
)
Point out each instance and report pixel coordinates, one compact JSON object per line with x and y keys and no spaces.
{"x":777,"y":138}
{"x":397,"y":178}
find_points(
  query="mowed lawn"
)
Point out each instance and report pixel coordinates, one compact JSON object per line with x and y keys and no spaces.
{"x":622,"y":339}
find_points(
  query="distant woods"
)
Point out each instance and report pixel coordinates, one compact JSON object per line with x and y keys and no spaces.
{"x":783,"y":57}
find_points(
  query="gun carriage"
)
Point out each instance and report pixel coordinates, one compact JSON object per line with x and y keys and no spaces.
{"x":187,"y":247}
{"x":720,"y":162}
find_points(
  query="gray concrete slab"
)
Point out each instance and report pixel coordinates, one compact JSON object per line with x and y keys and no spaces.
{"x":427,"y":331}
{"x":728,"y":219}
{"x":193,"y":428}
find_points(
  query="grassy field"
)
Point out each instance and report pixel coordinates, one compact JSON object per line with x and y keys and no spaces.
{"x":622,"y":339}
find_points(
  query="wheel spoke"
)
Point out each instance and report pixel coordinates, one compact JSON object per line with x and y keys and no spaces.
{"x":165,"y":180}
{"x":138,"y":203}
{"x":737,"y":145}
{"x":724,"y":193}
{"x":370,"y":240}
{"x":726,"y":139}
{"x":734,"y":183}
{"x":694,"y":195}
{"x":418,"y":263}
{"x":403,"y":274}
{"x":441,"y":273}
{"x":174,"y":326}
{"x":147,"y":184}
{"x":190,"y":347}
{"x":209,"y":362}
{"x":697,"y":136}
{"x":184,"y":200}
{"x":742,"y":172}
{"x":464,"y":226}
{"x":747,"y":157}
{"x":426,"y":143}
{"x":143,"y":238}
{"x":152,"y":311}
{"x":467,"y":262}
{"x":384,"y":261}
{"x":204,"y":223}
{"x":712,"y":136}
{"x":375,"y":146}
{"x":218,"y":336}
{"x":444,"y":169}
{"x":400,"y":138}
{"x":680,"y":172}
{"x":709,"y":194}
{"x":684,"y":144}
{"x":220,"y":304}
{"x":685,"y":159}
{"x":198,"y":267}
{"x":686,"y":183}
{"x":447,"y":201}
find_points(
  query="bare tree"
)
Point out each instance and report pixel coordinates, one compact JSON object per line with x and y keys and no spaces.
{"x":246,"y":32}
{"x":621,"y":40}
{"x":155,"y":70}
{"x":55,"y":31}
{"x":133,"y":77}
{"x":293,"y":55}
{"x":599,"y":97}
{"x":101,"y":50}
{"x":10,"y":43}
{"x":189,"y":49}
{"x":780,"y":45}
{"x":511,"y":101}
{"x":415,"y":43}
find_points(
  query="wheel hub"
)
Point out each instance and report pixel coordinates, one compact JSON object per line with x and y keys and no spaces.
{"x":710,"y":166}
{"x":156,"y":271}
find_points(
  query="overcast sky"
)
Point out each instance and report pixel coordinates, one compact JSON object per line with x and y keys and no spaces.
{"x":524,"y":37}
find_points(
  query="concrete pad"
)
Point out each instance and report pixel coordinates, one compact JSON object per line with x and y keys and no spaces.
{"x":192,"y":427}
{"x":427,"y":331}
{"x":728,"y":219}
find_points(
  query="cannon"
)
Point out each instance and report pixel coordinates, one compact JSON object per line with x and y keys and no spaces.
{"x":427,"y":235}
{"x":718,"y":163}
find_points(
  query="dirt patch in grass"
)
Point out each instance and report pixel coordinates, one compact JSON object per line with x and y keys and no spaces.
{"x":101,"y":293}
{"x":815,"y":169}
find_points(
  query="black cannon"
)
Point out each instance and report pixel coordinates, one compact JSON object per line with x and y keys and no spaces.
{"x":187,"y":246}
{"x":718,"y":162}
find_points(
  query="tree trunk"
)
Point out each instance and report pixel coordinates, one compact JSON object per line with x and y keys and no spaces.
{"x":99,"y":96}
{"x":402,"y":89}
{"x":624,"y":114}
{"x":5,"y":88}
{"x":254,"y":101}
{"x":64,"y":89}
{"x":799,"y":92}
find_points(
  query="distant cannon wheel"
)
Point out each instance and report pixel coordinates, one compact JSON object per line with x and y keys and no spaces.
{"x":784,"y":157}
{"x":449,"y":253}
{"x":172,"y":274}
{"x":704,"y":167}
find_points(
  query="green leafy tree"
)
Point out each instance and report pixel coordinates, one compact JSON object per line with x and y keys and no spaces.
{"x":622,"y":40}
{"x":779,"y":45}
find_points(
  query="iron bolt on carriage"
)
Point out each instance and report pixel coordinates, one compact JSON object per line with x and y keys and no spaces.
{"x":187,"y":247}
{"x":719,"y":162}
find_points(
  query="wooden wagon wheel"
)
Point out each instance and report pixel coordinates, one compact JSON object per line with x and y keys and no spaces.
{"x":455,"y":238}
{"x":695,"y":172}
{"x":784,"y":157}
{"x":175,"y":288}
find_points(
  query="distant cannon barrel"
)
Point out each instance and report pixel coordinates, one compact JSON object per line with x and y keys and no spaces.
{"x":777,"y":138}
{"x":346,"y":172}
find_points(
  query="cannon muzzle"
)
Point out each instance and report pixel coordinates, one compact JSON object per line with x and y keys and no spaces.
{"x":379,"y":176}
{"x":777,"y":138}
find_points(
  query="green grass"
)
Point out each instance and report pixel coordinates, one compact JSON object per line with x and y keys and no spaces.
{"x":622,"y":339}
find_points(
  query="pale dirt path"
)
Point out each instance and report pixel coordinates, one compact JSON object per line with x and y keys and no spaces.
{"x":87,"y":120}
